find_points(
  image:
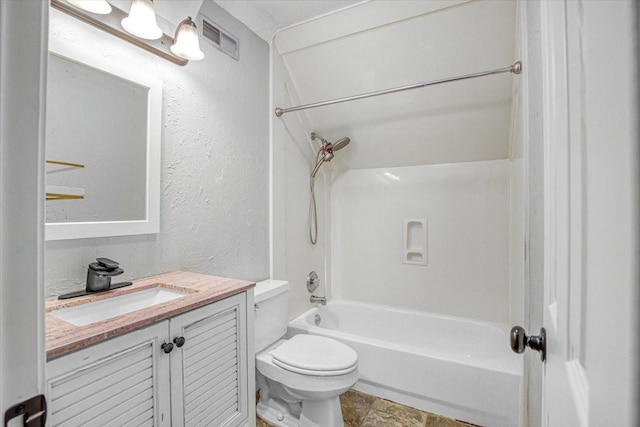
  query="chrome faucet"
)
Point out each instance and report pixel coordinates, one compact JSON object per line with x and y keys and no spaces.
{"x":314,"y":299}
{"x":99,"y":276}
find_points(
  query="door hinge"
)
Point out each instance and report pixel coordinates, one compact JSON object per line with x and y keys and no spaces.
{"x":33,"y":411}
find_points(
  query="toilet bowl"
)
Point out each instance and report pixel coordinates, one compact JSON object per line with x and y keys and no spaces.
{"x":299,"y":378}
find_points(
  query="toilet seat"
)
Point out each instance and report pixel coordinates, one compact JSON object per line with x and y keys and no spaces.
{"x":315,"y":356}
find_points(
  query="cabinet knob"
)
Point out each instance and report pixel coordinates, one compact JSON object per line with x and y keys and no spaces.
{"x":178,"y":341}
{"x":167,"y":347}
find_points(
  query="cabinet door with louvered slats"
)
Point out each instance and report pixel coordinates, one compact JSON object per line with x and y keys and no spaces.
{"x":209,"y":384}
{"x":119,"y":382}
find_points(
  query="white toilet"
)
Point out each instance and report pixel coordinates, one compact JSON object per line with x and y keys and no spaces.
{"x":299,"y":378}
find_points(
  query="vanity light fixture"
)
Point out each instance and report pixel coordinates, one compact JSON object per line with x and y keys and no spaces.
{"x":185,"y":43}
{"x":141,"y":21}
{"x":101,"y":7}
{"x":141,"y":10}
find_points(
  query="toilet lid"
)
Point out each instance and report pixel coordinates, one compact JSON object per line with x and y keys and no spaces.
{"x":315,"y":355}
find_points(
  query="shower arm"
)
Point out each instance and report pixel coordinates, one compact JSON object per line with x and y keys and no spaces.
{"x":516,"y":68}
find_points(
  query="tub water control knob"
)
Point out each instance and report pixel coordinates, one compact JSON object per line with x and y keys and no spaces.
{"x":520,"y":340}
{"x":312,"y":282}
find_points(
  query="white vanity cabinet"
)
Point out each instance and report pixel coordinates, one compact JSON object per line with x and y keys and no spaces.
{"x":130,"y":380}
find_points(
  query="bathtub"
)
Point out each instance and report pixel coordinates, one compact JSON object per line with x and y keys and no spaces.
{"x":456,"y":367}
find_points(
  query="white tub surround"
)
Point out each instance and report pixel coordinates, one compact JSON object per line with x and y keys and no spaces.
{"x":464,"y":239}
{"x":455,"y":367}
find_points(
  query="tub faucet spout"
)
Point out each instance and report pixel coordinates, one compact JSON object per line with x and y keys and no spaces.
{"x":315,"y":299}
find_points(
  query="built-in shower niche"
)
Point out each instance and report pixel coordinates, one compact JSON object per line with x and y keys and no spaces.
{"x":414,"y":241}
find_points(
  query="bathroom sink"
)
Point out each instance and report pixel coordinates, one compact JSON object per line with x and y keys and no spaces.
{"x":107,"y":308}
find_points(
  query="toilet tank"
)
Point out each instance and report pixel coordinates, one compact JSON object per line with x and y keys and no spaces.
{"x":271,"y":315}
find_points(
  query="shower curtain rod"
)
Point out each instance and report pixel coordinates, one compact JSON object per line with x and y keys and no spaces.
{"x":516,"y":68}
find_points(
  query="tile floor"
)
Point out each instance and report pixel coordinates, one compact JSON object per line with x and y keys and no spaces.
{"x":362,"y":410}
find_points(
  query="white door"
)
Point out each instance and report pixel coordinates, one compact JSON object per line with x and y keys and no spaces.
{"x":23,"y":47}
{"x":590,"y":144}
{"x":565,"y":384}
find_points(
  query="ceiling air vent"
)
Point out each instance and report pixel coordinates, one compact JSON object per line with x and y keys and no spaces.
{"x":219,"y":37}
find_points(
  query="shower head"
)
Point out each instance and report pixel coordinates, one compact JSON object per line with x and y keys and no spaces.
{"x":340,"y":144}
{"x":325,"y":154}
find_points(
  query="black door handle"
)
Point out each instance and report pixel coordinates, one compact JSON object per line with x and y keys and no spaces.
{"x":167,"y":347}
{"x":520,"y":340}
{"x":179,"y":341}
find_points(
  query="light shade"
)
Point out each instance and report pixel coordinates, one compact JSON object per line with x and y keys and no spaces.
{"x":141,"y":21}
{"x":186,"y":44}
{"x":100,"y":7}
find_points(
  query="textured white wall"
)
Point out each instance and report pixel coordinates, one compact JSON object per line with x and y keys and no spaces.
{"x":215,"y":147}
{"x":293,"y":157}
{"x":467,"y":209}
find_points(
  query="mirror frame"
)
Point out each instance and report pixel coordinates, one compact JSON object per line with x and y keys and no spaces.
{"x":151,"y":224}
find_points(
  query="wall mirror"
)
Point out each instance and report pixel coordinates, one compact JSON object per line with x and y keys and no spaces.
{"x":103,"y":124}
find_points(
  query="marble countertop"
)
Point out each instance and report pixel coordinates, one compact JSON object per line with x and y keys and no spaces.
{"x":63,"y":337}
